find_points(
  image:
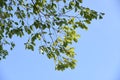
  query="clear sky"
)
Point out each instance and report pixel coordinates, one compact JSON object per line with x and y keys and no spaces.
{"x":98,"y":52}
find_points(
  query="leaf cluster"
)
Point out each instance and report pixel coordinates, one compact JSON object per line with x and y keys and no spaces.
{"x":51,"y":24}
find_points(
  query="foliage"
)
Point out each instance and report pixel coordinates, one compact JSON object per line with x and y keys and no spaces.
{"x":52,"y":23}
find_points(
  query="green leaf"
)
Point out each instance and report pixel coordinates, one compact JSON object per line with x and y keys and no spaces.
{"x":87,"y":21}
{"x":27,"y":29}
{"x":31,"y":47}
{"x":16,"y":23}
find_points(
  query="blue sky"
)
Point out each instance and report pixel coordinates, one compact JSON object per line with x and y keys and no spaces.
{"x":98,"y":52}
